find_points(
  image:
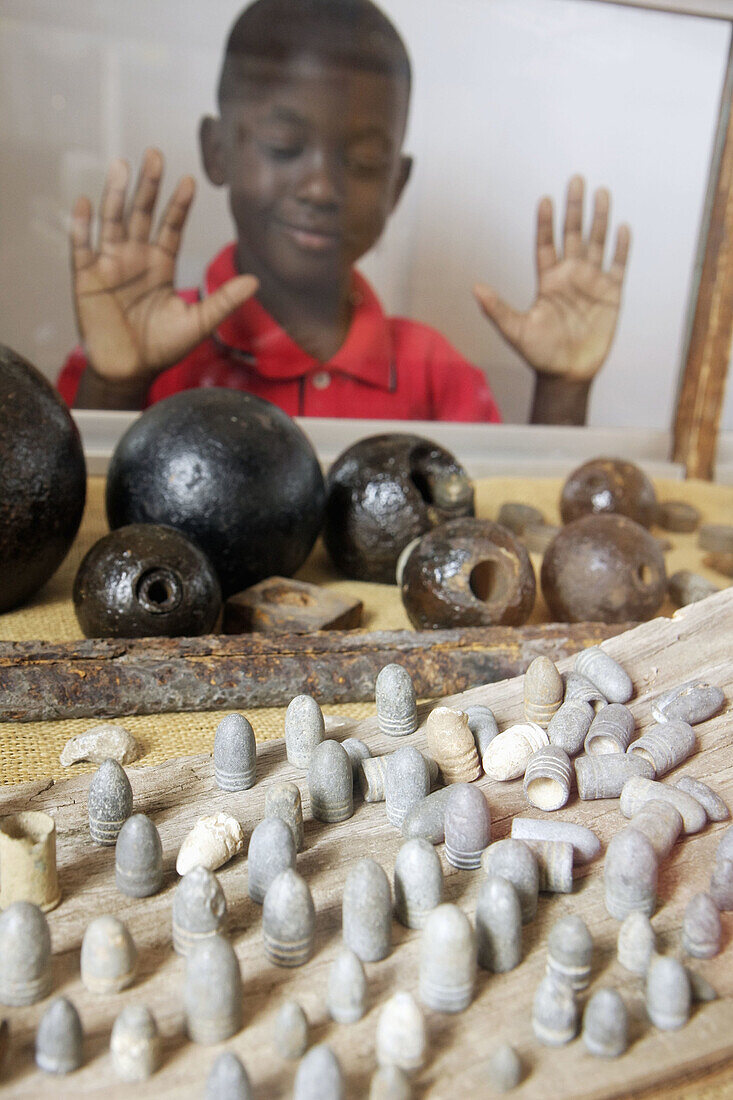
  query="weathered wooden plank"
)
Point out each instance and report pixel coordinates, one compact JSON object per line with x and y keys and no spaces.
{"x":108,"y":677}
{"x":658,"y":655}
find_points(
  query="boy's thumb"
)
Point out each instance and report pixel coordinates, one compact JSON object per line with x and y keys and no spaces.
{"x":506,"y":319}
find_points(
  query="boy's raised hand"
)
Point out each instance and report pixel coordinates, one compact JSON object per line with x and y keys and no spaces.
{"x":132,"y":322}
{"x":568,"y":329}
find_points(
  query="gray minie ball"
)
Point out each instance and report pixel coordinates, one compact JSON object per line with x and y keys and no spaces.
{"x":637,"y":791}
{"x":570,"y":951}
{"x":235,"y":754}
{"x":569,"y":725}
{"x":554,"y":1012}
{"x":427,"y":818}
{"x":498,"y":926}
{"x":367,"y":911}
{"x":482,"y":724}
{"x":389,"y":1083}
{"x":400,"y":1039}
{"x":109,"y":802}
{"x":283,"y":800}
{"x":347,"y":988}
{"x":304,"y":730}
{"x":108,"y":956}
{"x":668,"y":995}
{"x":712,"y":803}
{"x":330,"y":783}
{"x":212,"y":991}
{"x":395,"y":699}
{"x":199,"y":909}
{"x":135,"y":1044}
{"x":579,"y":688}
{"x":357,"y":751}
{"x":447,"y":960}
{"x":604,"y":775}
{"x":228,"y":1079}
{"x":548,"y":778}
{"x":636,"y":943}
{"x":701,"y":928}
{"x":271,"y":850}
{"x":291,"y":1030}
{"x":543,"y":691}
{"x":610,"y":731}
{"x":59,"y":1039}
{"x":665,"y":745}
{"x":721,"y":884}
{"x":694,"y":701}
{"x":418,"y":882}
{"x":606,"y":1024}
{"x":407,"y":782}
{"x":25,"y":950}
{"x":319,"y":1076}
{"x":607,"y":675}
{"x":504,"y":1069}
{"x":514,"y":861}
{"x":630,"y":874}
{"x":139,"y":858}
{"x":467,"y":826}
{"x":288,"y":920}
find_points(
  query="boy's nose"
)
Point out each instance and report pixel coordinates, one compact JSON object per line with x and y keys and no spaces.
{"x":322,"y":182}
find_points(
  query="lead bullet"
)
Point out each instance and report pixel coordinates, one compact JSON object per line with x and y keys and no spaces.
{"x":401,"y":1037}
{"x":330,"y":782}
{"x":283,"y":800}
{"x":418,"y":882}
{"x":59,"y":1038}
{"x":228,"y":1079}
{"x":319,"y":1076}
{"x":212,"y":991}
{"x":135,"y":1044}
{"x":109,"y":802}
{"x":606,"y":1024}
{"x":513,"y":860}
{"x":25,"y":951}
{"x":467,"y":826}
{"x":271,"y":850}
{"x":288,"y":920}
{"x":304,"y":730}
{"x":395,"y":699}
{"x":447,"y":960}
{"x":407,"y":782}
{"x":235,"y":754}
{"x":199,"y":909}
{"x":108,"y":956}
{"x":291,"y":1030}
{"x":498,"y":926}
{"x":139,"y":858}
{"x":347,"y":988}
{"x":367,"y":911}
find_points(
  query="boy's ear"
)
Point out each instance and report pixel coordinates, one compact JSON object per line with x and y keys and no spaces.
{"x":212,"y":149}
{"x":403,"y":176}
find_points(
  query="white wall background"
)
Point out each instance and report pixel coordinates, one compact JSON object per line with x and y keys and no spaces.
{"x":511,"y":97}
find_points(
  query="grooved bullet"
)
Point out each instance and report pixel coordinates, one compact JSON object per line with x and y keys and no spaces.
{"x":543,"y":691}
{"x":701,"y":927}
{"x":498,"y":926}
{"x":514,"y":861}
{"x":401,"y":1038}
{"x":135,"y":1044}
{"x":447,"y":960}
{"x":271,"y":850}
{"x":139,"y":858}
{"x":610,"y":731}
{"x":570,"y":724}
{"x":228,"y":1079}
{"x":347,"y":988}
{"x":636,"y":943}
{"x":606,"y":1024}
{"x":59,"y":1039}
{"x":668,"y":995}
{"x":630,"y":874}
{"x":554,"y":1012}
{"x":570,"y":951}
{"x":25,"y":951}
{"x":304,"y":730}
{"x":235,"y":754}
{"x":407,"y":782}
{"x":283,"y":800}
{"x":319,"y":1076}
{"x":418,"y":882}
{"x":330,"y":783}
{"x":367,"y":911}
{"x":396,"y":704}
{"x":109,"y":802}
{"x":607,"y":675}
{"x":291,"y":1030}
{"x":199,"y":909}
{"x":212,"y":991}
{"x":108,"y":956}
{"x":288,"y":920}
{"x":467,"y":826}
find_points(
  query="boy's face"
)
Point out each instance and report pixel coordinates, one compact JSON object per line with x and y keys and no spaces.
{"x":311,"y":154}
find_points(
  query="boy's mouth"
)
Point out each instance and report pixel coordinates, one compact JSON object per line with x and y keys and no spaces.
{"x":312,"y":239}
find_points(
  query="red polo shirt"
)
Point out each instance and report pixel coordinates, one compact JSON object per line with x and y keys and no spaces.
{"x":388,"y":368}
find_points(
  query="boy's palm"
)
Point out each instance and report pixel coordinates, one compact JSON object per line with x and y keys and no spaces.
{"x":132,"y":322}
{"x":568,"y":329}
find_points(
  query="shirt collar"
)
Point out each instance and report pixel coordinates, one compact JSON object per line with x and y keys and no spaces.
{"x":366,"y":354}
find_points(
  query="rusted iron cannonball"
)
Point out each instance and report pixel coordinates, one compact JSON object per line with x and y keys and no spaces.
{"x":146,"y":581}
{"x":383,"y":493}
{"x":468,"y":572}
{"x":609,"y":485}
{"x":603,"y":569}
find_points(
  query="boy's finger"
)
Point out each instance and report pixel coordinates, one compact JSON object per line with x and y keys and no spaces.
{"x":545,"y":242}
{"x":507,"y":320}
{"x":621,"y":253}
{"x":573,"y":227}
{"x":80,"y":234}
{"x":146,"y":194}
{"x":112,"y":209}
{"x":599,"y":226}
{"x":212,"y":311}
{"x":174,"y":217}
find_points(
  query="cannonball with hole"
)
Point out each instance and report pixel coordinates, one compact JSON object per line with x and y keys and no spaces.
{"x":609,"y":486}
{"x":146,"y":581}
{"x":603,"y":569}
{"x":384,"y":492}
{"x":468,"y":572}
{"x":42,"y":479}
{"x":231,"y":471}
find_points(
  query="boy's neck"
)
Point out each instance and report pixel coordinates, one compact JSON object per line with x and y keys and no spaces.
{"x":317,"y":322}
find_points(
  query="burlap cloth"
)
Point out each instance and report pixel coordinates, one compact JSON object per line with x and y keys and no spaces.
{"x":31,"y":750}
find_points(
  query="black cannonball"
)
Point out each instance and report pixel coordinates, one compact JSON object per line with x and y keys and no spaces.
{"x":42,"y":479}
{"x":146,"y":581}
{"x":232,"y":472}
{"x":383,"y":493}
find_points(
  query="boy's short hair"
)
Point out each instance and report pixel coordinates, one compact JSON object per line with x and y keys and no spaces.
{"x":355,"y":33}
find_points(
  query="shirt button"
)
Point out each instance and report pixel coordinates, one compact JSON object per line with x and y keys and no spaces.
{"x":321,"y":380}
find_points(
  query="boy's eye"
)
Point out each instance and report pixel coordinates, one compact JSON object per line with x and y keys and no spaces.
{"x":281,"y":150}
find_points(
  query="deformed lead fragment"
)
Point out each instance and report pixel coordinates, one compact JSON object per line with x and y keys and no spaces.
{"x":291,"y":1030}
{"x":288,"y":920}
{"x":330,"y":783}
{"x":712,"y":803}
{"x":606,"y":673}
{"x":514,"y":861}
{"x":101,"y":743}
{"x":610,"y":731}
{"x":401,"y":1037}
{"x":554,"y":1012}
{"x":447,"y":960}
{"x":586,"y":845}
{"x":630,"y":874}
{"x":347,"y":988}
{"x":418,"y":882}
{"x":543,"y":691}
{"x":668,"y":994}
{"x":135,"y":1044}
{"x":367,"y":911}
{"x":59,"y":1039}
{"x":212,"y":991}
{"x":604,"y":775}
{"x":467,"y":826}
{"x":636,"y":943}
{"x":694,"y":701}
{"x":504,"y":1068}
{"x":701,"y":928}
{"x":637,"y":790}
{"x":199,"y":909}
{"x":139,"y":858}
{"x":548,"y":778}
{"x":498,"y":926}
{"x":452,"y":746}
{"x":427,"y":818}
{"x":554,"y":865}
{"x":570,"y":951}
{"x":319,"y":1076}
{"x":228,"y":1079}
{"x":407,"y":782}
{"x":109,"y":802}
{"x":271,"y":850}
{"x":212,"y":842}
{"x":235,"y":754}
{"x":665,"y":745}
{"x":508,"y":754}
{"x":283,"y":800}
{"x":304,"y":730}
{"x":606,"y":1024}
{"x":395,"y":699}
{"x":108,"y":956}
{"x":570,"y":724}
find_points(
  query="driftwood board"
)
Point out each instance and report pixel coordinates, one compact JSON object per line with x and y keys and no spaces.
{"x":658,"y":655}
